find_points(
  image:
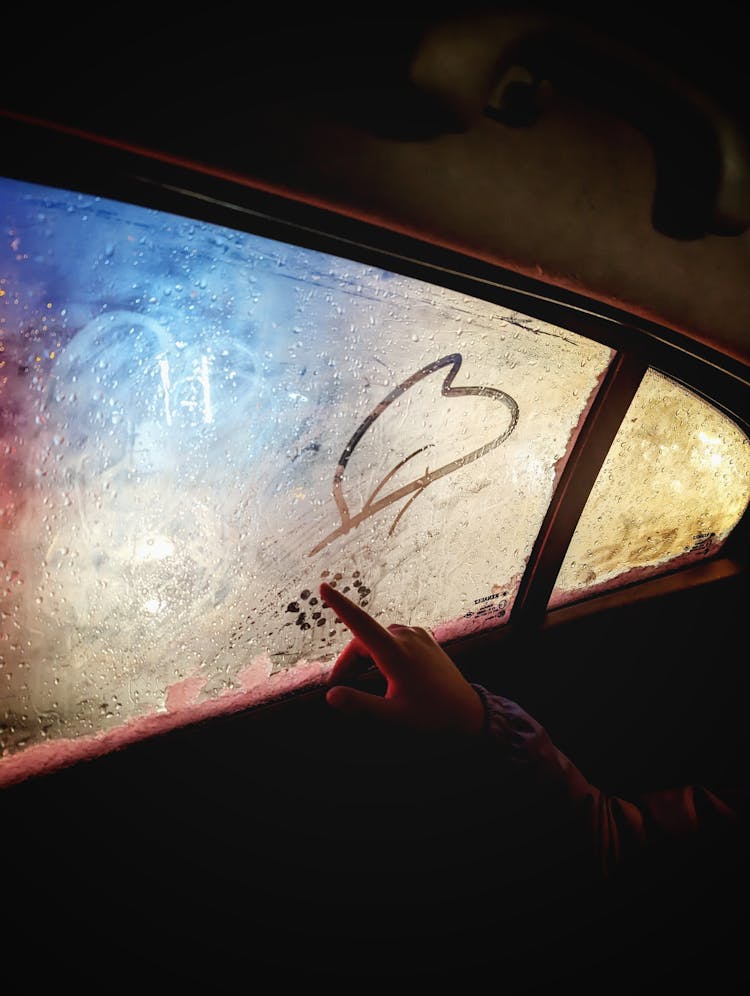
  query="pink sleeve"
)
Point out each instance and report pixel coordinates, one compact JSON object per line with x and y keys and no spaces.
{"x":611,"y":828}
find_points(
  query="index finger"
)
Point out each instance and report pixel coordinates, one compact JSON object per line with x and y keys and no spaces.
{"x":368,"y":631}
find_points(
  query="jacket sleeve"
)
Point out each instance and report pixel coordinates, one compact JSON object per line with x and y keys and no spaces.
{"x":608,"y":827}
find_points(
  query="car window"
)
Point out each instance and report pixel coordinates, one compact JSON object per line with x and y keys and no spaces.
{"x":673,"y":486}
{"x":199,"y":424}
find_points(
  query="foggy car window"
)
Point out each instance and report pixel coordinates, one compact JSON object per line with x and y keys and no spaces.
{"x":687,"y":468}
{"x":198,"y":425}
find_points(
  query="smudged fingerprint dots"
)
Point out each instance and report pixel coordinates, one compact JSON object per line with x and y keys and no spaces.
{"x":311,"y":612}
{"x":702,"y":544}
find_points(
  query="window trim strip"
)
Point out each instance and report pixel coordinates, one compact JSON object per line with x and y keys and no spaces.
{"x":598,"y":430}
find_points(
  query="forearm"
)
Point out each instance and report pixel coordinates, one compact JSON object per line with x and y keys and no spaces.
{"x":607,"y":827}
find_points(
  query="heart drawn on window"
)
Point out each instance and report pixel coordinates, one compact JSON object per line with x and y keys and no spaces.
{"x":377,"y":501}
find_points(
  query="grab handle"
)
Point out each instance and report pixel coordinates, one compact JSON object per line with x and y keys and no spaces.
{"x":496,"y":65}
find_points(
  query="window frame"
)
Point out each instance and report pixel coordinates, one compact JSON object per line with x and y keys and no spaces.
{"x":55,"y":155}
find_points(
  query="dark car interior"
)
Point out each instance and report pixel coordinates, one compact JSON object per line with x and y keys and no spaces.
{"x":588,"y":167}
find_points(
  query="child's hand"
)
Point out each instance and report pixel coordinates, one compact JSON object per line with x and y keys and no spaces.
{"x":425,"y":689}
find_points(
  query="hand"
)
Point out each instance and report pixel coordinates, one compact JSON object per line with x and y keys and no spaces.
{"x":425,"y":689}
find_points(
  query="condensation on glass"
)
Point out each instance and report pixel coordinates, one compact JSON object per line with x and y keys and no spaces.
{"x":199,"y":424}
{"x":673,"y":486}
